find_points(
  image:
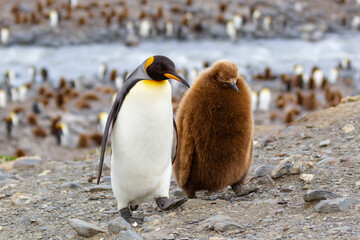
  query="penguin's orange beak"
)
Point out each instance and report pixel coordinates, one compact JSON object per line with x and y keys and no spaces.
{"x":177,"y":77}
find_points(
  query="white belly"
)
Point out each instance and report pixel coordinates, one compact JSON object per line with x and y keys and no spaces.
{"x":141,"y":144}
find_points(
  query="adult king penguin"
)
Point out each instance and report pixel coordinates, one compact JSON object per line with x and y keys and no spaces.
{"x":215,"y":126}
{"x":144,"y":138}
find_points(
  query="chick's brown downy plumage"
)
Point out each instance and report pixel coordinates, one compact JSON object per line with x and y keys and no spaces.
{"x":215,"y":132}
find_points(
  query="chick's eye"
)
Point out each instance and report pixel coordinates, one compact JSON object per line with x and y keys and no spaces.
{"x":221,"y":78}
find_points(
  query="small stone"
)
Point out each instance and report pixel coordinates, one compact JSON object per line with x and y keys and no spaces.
{"x":71,"y":185}
{"x":317,"y":195}
{"x":118,"y":224}
{"x":129,"y":235}
{"x":50,"y":208}
{"x":357,"y":183}
{"x":21,"y":199}
{"x":8,"y":182}
{"x":1,"y":228}
{"x":263,"y":170}
{"x":335,"y":205}
{"x":325,"y":143}
{"x":307,"y":177}
{"x":348,"y":128}
{"x":178,"y":193}
{"x":44,"y":173}
{"x":157,"y":234}
{"x":107,"y":179}
{"x":329,"y":160}
{"x":100,"y":188}
{"x":4,"y":176}
{"x":83,"y":228}
{"x":219,"y":223}
{"x":289,"y":166}
{"x":340,"y":229}
{"x":169,"y":237}
{"x":27,"y":163}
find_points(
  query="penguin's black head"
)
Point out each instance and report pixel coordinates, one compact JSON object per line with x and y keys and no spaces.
{"x":160,"y":68}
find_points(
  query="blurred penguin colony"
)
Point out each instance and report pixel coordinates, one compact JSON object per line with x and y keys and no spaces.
{"x":72,"y":112}
{"x":133,"y":21}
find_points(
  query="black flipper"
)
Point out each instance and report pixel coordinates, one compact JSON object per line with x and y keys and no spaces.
{"x":138,"y":75}
{"x":174,"y":144}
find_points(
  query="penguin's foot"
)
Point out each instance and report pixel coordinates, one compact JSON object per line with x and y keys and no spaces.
{"x":168,"y":204}
{"x":126,"y":214}
{"x":243,"y":191}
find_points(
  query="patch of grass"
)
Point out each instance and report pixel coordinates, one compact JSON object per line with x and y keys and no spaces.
{"x":4,"y":158}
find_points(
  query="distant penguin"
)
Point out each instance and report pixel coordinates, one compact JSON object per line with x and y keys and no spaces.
{"x":298,"y":69}
{"x":22,"y":90}
{"x":215,"y":126}
{"x":3,"y":98}
{"x":62,"y":134}
{"x":32,"y":73}
{"x":334,"y":75}
{"x":144,"y":138}
{"x":5,"y":35}
{"x":256,"y":15}
{"x":119,"y":82}
{"x":318,"y":77}
{"x":267,"y":24}
{"x":193,"y":74}
{"x":12,"y":121}
{"x":102,"y":118}
{"x":54,"y":18}
{"x":254,"y":100}
{"x":10,"y":77}
{"x":73,"y":3}
{"x":355,"y":23}
{"x":264,"y":100}
{"x":36,"y":108}
{"x":44,"y":74}
{"x":145,"y":28}
{"x":14,"y":94}
{"x":238,"y":21}
{"x":345,"y":64}
{"x":169,"y":29}
{"x":102,"y":72}
{"x":231,"y":30}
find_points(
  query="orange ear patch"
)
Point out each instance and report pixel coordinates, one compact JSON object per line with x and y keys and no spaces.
{"x":149,"y":62}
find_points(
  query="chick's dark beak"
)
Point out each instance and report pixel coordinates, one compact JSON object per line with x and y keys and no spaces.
{"x":177,"y":77}
{"x":233,"y":85}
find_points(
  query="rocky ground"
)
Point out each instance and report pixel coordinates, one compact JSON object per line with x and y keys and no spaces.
{"x":39,"y":198}
{"x":105,"y":21}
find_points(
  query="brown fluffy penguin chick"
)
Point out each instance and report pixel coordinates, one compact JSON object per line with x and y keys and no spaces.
{"x":215,"y":132}
{"x":83,"y":141}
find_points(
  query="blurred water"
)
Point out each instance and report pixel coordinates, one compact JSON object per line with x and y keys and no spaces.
{"x":74,"y":61}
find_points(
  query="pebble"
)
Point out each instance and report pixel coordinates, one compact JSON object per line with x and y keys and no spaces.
{"x":118,"y":224}
{"x":4,"y":176}
{"x":348,"y":128}
{"x":307,"y":177}
{"x":263,"y":170}
{"x":219,"y":223}
{"x":27,"y":163}
{"x":21,"y":199}
{"x":317,"y":195}
{"x":83,"y":228}
{"x":178,"y":193}
{"x":8,"y":182}
{"x":107,"y":179}
{"x":129,"y":235}
{"x":325,"y":143}
{"x":289,"y":166}
{"x":357,"y":183}
{"x":334,"y":205}
{"x":71,"y":185}
{"x":340,"y":229}
{"x":100,"y":188}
